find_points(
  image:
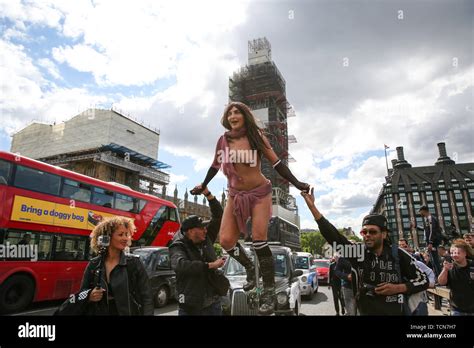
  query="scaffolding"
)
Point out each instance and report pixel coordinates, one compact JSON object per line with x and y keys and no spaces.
{"x":261,"y":86}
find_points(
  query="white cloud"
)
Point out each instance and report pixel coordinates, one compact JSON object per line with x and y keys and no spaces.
{"x":176,"y":179}
{"x":27,"y":95}
{"x":136,"y":43}
{"x":413,"y":100}
{"x":50,"y":67}
{"x":34,"y":12}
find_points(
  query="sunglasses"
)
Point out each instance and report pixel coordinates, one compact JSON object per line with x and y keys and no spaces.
{"x":372,"y":232}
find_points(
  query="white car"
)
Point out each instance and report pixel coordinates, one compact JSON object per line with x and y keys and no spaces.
{"x":309,"y":280}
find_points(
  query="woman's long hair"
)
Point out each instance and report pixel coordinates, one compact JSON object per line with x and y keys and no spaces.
{"x":254,"y":132}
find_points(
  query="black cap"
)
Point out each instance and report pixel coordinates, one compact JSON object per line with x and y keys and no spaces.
{"x":423,"y":207}
{"x":377,"y":220}
{"x":193,"y":221}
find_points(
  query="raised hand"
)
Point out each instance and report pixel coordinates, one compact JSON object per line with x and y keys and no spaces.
{"x":197,"y":190}
{"x":308,"y":197}
{"x":302,"y":186}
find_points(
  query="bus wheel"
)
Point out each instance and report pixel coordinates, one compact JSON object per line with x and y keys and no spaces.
{"x":162,"y":296}
{"x":16,"y":293}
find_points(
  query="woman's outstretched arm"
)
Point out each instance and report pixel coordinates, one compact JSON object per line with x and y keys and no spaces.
{"x":281,"y":168}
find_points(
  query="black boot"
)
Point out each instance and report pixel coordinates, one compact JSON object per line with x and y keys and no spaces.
{"x":239,"y":254}
{"x":267,"y":300}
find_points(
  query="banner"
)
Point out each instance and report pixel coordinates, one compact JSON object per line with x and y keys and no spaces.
{"x":43,"y":212}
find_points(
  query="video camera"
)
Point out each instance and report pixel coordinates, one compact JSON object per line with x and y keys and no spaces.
{"x":103,"y":241}
{"x":368,"y":289}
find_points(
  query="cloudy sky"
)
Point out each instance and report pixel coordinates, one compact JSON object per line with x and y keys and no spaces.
{"x":360,"y":74}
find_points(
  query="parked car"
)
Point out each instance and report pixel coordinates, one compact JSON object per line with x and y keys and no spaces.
{"x":309,"y":280}
{"x":322,"y":266}
{"x":287,"y":287}
{"x":158,"y":267}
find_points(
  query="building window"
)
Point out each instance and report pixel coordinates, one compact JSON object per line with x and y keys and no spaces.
{"x":429,"y":196}
{"x":113,"y":174}
{"x":36,"y":180}
{"x":90,"y":170}
{"x":460,"y":208}
{"x":416,"y":197}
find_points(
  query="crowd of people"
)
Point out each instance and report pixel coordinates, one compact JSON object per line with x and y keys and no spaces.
{"x":388,"y":279}
{"x":391,"y":279}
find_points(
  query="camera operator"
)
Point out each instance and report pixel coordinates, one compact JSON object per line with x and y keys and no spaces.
{"x":119,"y":280}
{"x":459,"y":277}
{"x":194,"y":260}
{"x":385,"y":273}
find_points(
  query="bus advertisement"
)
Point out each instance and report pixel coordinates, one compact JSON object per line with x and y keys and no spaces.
{"x":46,"y":216}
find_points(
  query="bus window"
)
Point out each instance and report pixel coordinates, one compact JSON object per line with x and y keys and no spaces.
{"x":70,"y":248}
{"x":76,"y":190}
{"x":124,"y":202}
{"x":35,"y":180}
{"x":173,"y":214}
{"x":102,"y":197}
{"x":5,"y":168}
{"x":142,"y":204}
{"x":45,"y":242}
{"x":155,"y":226}
{"x":14,"y":237}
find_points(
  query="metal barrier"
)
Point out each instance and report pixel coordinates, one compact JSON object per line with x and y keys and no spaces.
{"x":439,"y":292}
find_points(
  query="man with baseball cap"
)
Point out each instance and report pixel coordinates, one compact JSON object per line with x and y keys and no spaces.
{"x":193,"y":258}
{"x":386,"y":273}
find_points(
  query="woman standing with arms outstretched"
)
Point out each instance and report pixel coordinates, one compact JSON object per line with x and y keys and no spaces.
{"x":238,"y":153}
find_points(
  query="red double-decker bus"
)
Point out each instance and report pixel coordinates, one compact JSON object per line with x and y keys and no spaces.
{"x":54,"y":210}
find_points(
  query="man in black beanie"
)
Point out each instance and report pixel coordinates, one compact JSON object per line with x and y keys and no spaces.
{"x":195,"y":262}
{"x":385,"y":273}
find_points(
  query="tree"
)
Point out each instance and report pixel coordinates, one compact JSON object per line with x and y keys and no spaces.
{"x":218,"y":249}
{"x":355,"y":238}
{"x":312,"y":242}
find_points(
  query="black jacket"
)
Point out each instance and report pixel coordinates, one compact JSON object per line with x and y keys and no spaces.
{"x":343,"y":269}
{"x":373,"y":270}
{"x":192,"y":272}
{"x":433,"y":234}
{"x":130,"y":284}
{"x":333,"y":279}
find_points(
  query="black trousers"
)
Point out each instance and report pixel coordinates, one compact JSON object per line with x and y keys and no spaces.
{"x":337,"y":297}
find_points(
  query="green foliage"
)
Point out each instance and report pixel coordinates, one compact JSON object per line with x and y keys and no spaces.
{"x":218,"y":249}
{"x":355,"y":239}
{"x":312,"y":242}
